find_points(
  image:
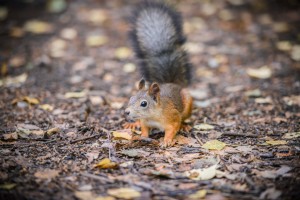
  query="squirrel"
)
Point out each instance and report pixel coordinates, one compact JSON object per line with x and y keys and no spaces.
{"x":157,"y":39}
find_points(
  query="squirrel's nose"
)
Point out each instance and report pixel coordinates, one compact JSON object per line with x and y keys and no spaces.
{"x":127,"y":112}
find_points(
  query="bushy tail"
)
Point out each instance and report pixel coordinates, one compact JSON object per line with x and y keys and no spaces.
{"x":157,"y":40}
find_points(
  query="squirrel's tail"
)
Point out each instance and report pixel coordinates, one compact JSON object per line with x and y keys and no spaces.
{"x":157,"y":40}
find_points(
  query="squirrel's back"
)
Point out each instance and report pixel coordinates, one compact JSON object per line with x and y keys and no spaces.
{"x":157,"y":40}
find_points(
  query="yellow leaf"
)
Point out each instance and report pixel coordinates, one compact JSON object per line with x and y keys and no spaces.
{"x":8,"y":186}
{"x":200,"y":194}
{"x":203,"y":173}
{"x":214,"y":145}
{"x":129,"y":67}
{"x":104,"y":198}
{"x":46,"y":107}
{"x":291,"y":135}
{"x":3,"y":69}
{"x":81,"y":94}
{"x":17,"y":80}
{"x":123,"y":134}
{"x":263,"y":72}
{"x":38,"y":27}
{"x":276,"y":142}
{"x":96,"y":40}
{"x":122,"y":52}
{"x":204,"y":127}
{"x":51,"y":131}
{"x":124,"y":193}
{"x":106,"y":164}
{"x":31,"y":100}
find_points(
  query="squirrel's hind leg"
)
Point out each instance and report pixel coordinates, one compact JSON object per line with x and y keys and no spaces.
{"x":187,"y":102}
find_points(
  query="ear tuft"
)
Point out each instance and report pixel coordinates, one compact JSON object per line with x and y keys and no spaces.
{"x":141,"y":84}
{"x":154,"y":91}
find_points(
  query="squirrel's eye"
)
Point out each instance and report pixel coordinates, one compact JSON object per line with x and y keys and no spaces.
{"x":144,"y":103}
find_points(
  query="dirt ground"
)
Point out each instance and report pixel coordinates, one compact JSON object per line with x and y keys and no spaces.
{"x":67,"y":72}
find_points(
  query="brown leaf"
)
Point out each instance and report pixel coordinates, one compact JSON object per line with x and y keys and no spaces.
{"x":10,"y":136}
{"x":46,"y":174}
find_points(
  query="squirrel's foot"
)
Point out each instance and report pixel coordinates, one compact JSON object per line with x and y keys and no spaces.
{"x":133,"y":125}
{"x":167,"y":143}
{"x":185,"y":127}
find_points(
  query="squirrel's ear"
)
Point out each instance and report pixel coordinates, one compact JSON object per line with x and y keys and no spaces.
{"x":154,"y":91}
{"x":141,"y":84}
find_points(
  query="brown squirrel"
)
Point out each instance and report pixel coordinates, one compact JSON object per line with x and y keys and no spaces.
{"x":157,"y":40}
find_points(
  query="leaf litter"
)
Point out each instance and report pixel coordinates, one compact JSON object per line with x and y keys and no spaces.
{"x":72,"y":115}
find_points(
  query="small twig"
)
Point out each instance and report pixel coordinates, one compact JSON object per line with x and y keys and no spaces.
{"x":82,"y":139}
{"x":93,"y":176}
{"x":240,"y":135}
{"x":35,"y":143}
{"x":198,"y":139}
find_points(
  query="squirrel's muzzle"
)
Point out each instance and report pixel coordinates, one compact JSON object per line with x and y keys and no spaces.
{"x":127,"y":112}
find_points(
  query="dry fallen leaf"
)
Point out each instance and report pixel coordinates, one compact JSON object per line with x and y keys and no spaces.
{"x":263,"y":72}
{"x":31,"y":100}
{"x":38,"y":27}
{"x":126,"y":164}
{"x":3,"y":13}
{"x":204,"y":127}
{"x":10,"y":136}
{"x":96,"y":40}
{"x":8,"y":186}
{"x":123,"y":134}
{"x":84,"y":195}
{"x":68,"y":33}
{"x":14,"y":81}
{"x":16,"y":32}
{"x":295,"y":53}
{"x":122,"y":52}
{"x":276,"y":142}
{"x":291,"y":135}
{"x":57,"y":48}
{"x":200,"y":194}
{"x":104,"y":198}
{"x":253,"y":93}
{"x":51,"y":131}
{"x":46,"y":107}
{"x":81,"y":94}
{"x":46,"y":174}
{"x":266,"y":100}
{"x":202,"y":174}
{"x":131,"y":153}
{"x":129,"y":67}
{"x":106,"y":164}
{"x":124,"y":193}
{"x":97,"y":16}
{"x":284,"y":45}
{"x":214,"y":145}
{"x":56,"y":6}
{"x":292,"y":100}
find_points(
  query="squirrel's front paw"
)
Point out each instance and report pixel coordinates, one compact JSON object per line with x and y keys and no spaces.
{"x":167,"y":143}
{"x":185,"y":127}
{"x":133,"y":125}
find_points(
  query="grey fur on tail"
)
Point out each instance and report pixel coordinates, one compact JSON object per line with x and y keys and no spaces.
{"x":157,"y":40}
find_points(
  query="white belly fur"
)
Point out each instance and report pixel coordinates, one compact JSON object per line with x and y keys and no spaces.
{"x":155,"y":124}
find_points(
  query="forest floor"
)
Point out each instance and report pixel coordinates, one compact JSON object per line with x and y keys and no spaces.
{"x":67,"y":72}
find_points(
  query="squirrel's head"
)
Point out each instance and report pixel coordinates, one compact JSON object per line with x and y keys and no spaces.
{"x":145,"y":102}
